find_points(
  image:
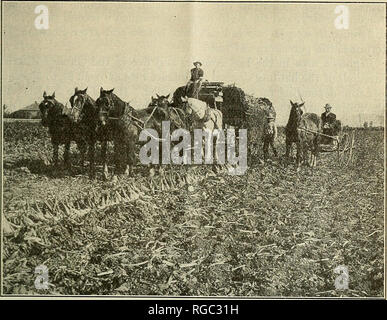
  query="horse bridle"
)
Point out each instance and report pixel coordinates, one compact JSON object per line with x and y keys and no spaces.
{"x":176,"y":110}
{"x":73,"y":106}
{"x":110,"y":105}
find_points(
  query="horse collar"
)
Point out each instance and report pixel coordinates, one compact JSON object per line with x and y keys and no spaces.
{"x":207,"y":116}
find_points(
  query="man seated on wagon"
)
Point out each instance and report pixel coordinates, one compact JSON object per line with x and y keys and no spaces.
{"x":328,"y":122}
{"x":194,"y":84}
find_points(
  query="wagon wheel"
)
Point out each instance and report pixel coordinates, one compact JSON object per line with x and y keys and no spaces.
{"x":341,"y":147}
{"x":351,"y":149}
{"x":346,"y":149}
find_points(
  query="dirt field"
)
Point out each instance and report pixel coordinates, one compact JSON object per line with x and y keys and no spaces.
{"x":191,"y":232}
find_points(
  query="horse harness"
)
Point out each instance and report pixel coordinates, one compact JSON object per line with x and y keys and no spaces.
{"x":136,"y":120}
{"x":207,"y":115}
{"x":318,"y":133}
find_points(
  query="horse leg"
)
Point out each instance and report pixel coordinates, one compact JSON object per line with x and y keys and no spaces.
{"x":160,"y":165}
{"x":131,"y":158}
{"x":120,"y":153}
{"x":313,"y":160}
{"x":265,"y":149}
{"x":288,"y":152}
{"x":67,"y":155}
{"x":82,"y":146}
{"x":55,"y":147}
{"x":288,"y":147}
{"x":298,"y":160}
{"x":91,"y":155}
{"x":274,"y":149}
{"x":305,"y":155}
{"x":315,"y":151}
{"x":127,"y":160}
{"x":104,"y":159}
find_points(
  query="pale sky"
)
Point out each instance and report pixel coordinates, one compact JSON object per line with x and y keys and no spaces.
{"x":279,"y":51}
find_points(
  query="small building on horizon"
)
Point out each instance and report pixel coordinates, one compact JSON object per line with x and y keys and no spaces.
{"x":30,"y":112}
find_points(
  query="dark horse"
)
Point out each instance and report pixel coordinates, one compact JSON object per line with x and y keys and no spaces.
{"x":177,"y":95}
{"x":115,"y":123}
{"x":124,"y":123}
{"x":61,"y":128}
{"x":85,"y":113}
{"x":167,"y":111}
{"x":303,"y":129}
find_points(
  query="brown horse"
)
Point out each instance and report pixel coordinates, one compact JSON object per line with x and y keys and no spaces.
{"x":125,"y":123}
{"x":177,"y":95}
{"x":85,"y":113}
{"x":61,"y":127}
{"x":166,"y":111}
{"x":116,"y":124}
{"x":303,"y":129}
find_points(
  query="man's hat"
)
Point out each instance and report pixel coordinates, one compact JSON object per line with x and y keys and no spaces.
{"x":328,"y":106}
{"x":197,"y":62}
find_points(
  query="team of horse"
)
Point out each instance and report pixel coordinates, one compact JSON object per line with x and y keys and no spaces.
{"x":110,"y":119}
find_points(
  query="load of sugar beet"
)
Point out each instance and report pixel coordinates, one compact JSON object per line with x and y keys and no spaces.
{"x":241,"y":110}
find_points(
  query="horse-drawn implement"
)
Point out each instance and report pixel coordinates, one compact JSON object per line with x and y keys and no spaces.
{"x":239,"y":110}
{"x":111,"y":119}
{"x":212,"y":94}
{"x":343,"y":144}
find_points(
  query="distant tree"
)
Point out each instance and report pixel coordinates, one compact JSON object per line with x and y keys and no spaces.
{"x":371,"y":124}
{"x":365,"y":125}
{"x":6,"y":112}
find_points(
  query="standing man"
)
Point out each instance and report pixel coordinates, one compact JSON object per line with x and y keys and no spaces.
{"x":328,"y":121}
{"x":194,"y":84}
{"x":269,"y":136}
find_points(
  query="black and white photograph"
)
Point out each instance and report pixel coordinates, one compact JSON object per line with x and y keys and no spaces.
{"x":193,"y":150}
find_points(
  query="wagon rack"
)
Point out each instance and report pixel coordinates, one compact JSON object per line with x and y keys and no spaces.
{"x":212,"y":93}
{"x":344,"y":146}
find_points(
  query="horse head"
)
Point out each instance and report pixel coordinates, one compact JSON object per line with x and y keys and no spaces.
{"x":105,"y":105}
{"x":177,"y":117}
{"x":166,"y":112}
{"x":49,"y":108}
{"x":186,"y":107}
{"x":296,"y":112}
{"x":81,"y":104}
{"x":153,"y":103}
{"x":162,"y":101}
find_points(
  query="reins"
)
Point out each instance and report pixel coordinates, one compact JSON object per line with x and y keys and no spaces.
{"x":318,"y":133}
{"x":176,"y":111}
{"x":146,"y":121}
{"x":136,"y":120}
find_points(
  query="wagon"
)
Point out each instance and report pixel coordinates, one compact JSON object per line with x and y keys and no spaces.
{"x":239,"y":110}
{"x":212,"y":93}
{"x":343,"y":144}
{"x":230,"y":100}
